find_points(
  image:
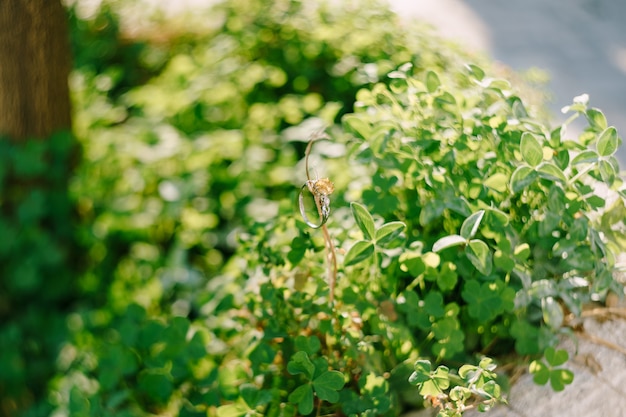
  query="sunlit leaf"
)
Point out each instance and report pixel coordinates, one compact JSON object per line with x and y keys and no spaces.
{"x":556,"y":357}
{"x":448,"y":241}
{"x":531,"y":149}
{"x":361,"y":251}
{"x":363,"y":219}
{"x":388,"y":232}
{"x":607,"y":172}
{"x":550,"y":171}
{"x":497,"y":182}
{"x":596,"y":119}
{"x":479,"y":254}
{"x":432,"y":81}
{"x":552,"y":313}
{"x":608,"y":142}
{"x":585,"y":157}
{"x":471,"y":224}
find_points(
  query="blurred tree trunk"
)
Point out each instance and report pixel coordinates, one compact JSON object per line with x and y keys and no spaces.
{"x":37,"y":235}
{"x":34,"y":66}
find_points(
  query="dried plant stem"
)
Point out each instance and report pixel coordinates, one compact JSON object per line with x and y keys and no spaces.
{"x":331,"y":257}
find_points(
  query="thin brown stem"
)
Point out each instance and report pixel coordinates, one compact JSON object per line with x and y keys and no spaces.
{"x":331,"y":258}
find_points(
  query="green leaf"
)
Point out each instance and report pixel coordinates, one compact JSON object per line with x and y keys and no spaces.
{"x":356,"y":125}
{"x":432,"y":81}
{"x":303,"y":396}
{"x":476,"y":71}
{"x":232,"y":410}
{"x":364,"y":220}
{"x":328,"y":384}
{"x":531,"y":149}
{"x":607,"y":172}
{"x":585,"y":157}
{"x":359,"y":252}
{"x":522,"y":177}
{"x":480,"y":256}
{"x":471,"y":224}
{"x":550,"y":171}
{"x":156,"y":385}
{"x":552,"y":313}
{"x":596,"y":119}
{"x":608,"y":142}
{"x":448,"y":241}
{"x":503,"y":261}
{"x":559,"y":378}
{"x":388,"y":232}
{"x":556,"y":357}
{"x":301,"y":364}
{"x":308,"y":344}
{"x":497,"y":182}
{"x":540,"y":372}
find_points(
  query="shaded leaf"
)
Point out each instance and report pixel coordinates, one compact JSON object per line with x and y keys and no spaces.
{"x":303,"y":396}
{"x":522,"y":177}
{"x":328,"y":384}
{"x":301,"y":364}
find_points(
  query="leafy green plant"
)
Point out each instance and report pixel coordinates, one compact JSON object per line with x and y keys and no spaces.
{"x":474,"y":386}
{"x":551,"y":371}
{"x":464,"y":226}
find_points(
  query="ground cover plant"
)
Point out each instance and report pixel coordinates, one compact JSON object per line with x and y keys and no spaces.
{"x":464,"y":227}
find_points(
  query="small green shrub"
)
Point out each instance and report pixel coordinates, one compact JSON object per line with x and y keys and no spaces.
{"x":474,"y":229}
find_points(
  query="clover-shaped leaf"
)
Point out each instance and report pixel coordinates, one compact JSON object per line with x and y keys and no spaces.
{"x":551,"y":371}
{"x":301,"y":364}
{"x":484,"y":302}
{"x":308,"y":344}
{"x":328,"y":384}
{"x":303,"y":397}
{"x":428,"y":382}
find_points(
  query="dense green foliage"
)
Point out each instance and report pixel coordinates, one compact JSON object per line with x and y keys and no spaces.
{"x":40,"y":260}
{"x":464,"y":225}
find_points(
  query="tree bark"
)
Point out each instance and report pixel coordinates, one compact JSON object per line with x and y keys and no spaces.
{"x":34,"y":67}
